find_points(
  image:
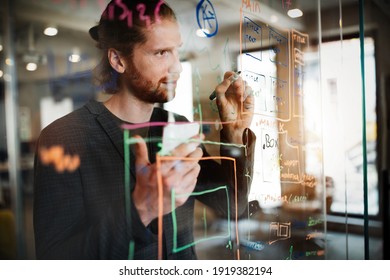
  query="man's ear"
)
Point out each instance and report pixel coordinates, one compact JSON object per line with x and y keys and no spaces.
{"x":116,"y":61}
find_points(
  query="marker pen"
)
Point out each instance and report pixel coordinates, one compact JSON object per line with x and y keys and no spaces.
{"x":234,"y":78}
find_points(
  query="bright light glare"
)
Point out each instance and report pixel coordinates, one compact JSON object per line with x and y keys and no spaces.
{"x":74,"y":58}
{"x":295,"y":13}
{"x":202,"y":32}
{"x":274,"y":18}
{"x":31,"y":66}
{"x":50,"y":31}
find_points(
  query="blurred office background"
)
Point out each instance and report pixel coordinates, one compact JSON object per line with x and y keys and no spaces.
{"x":46,"y":64}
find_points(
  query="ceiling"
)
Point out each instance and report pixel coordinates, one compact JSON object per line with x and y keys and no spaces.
{"x":74,"y":18}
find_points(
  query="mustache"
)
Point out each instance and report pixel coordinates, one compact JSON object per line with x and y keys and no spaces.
{"x":172,"y":77}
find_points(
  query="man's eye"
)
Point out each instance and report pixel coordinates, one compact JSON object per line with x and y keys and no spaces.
{"x":162,"y":53}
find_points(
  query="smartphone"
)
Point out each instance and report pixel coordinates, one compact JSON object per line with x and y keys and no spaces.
{"x":176,"y":133}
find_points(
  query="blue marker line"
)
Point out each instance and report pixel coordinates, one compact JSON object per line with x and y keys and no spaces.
{"x":254,"y":245}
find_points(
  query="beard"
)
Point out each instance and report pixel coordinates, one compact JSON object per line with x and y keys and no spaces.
{"x":146,"y":90}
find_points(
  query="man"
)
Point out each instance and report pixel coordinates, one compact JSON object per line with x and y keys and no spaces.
{"x":80,"y":206}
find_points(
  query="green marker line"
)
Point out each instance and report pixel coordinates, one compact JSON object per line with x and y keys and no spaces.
{"x":176,"y":249}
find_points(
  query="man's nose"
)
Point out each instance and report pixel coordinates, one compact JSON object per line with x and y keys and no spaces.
{"x":176,"y":66}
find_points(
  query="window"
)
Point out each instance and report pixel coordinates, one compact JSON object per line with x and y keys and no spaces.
{"x":342,"y":111}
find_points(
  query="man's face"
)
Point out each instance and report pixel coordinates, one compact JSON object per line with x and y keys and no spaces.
{"x":152,"y":73}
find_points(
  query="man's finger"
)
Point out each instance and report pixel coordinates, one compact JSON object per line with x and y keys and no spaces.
{"x":141,"y":153}
{"x":221,"y":89}
{"x":183,"y":150}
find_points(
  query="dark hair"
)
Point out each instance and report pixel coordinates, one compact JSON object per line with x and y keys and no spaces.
{"x":121,"y":27}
